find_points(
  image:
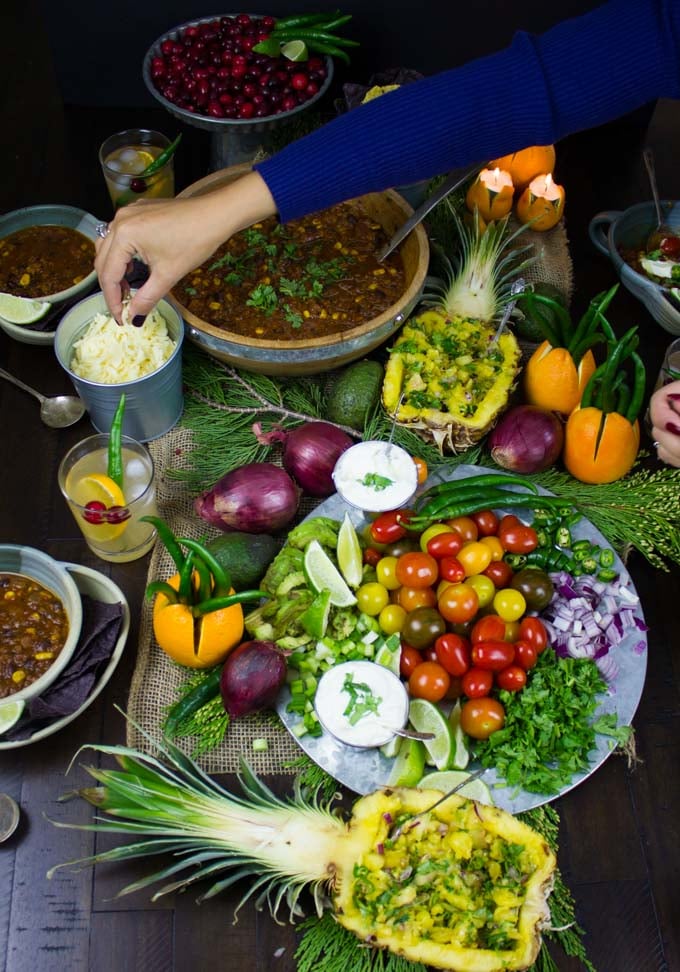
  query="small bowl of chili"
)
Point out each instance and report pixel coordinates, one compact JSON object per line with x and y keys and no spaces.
{"x":40,"y":620}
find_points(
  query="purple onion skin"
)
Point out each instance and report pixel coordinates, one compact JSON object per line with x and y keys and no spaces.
{"x":257,"y":498}
{"x":527,"y":439}
{"x":310,"y":453}
{"x":251,"y":678}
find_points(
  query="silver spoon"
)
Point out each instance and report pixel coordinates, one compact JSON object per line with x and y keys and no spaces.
{"x":661,"y":229}
{"x":58,"y":412}
{"x":9,"y":816}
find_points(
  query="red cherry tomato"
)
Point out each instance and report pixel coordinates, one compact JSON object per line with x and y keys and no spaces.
{"x":409,"y":659}
{"x":533,"y":630}
{"x":515,"y":536}
{"x":458,"y":603}
{"x":429,"y":681}
{"x":480,"y":718}
{"x":499,"y":572}
{"x":390,"y":526}
{"x":670,"y":247}
{"x":411,"y":598}
{"x":476,"y":683}
{"x":453,"y":653}
{"x":512,"y":679}
{"x":416,"y":569}
{"x":487,"y":523}
{"x":465,"y":526}
{"x":526,"y":655}
{"x":493,"y":656}
{"x":489,"y":628}
{"x":444,"y":545}
{"x":451,"y":569}
{"x":372,"y":556}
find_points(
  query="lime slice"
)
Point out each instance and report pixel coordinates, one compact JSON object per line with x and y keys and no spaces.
{"x":350,"y":557}
{"x":391,"y":748}
{"x":474,"y":790}
{"x":409,"y":764}
{"x":295,"y":50}
{"x":22,"y":310}
{"x":315,"y":619}
{"x":425,"y":716}
{"x":323,"y":575}
{"x":10,"y":713}
{"x":461,"y":753}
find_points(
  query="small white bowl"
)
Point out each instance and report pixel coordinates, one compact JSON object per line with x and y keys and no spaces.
{"x":375,"y":476}
{"x":16,"y":559}
{"x":373,"y":728}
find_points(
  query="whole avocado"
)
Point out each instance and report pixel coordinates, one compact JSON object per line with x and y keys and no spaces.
{"x":355,"y":394}
{"x":245,"y":556}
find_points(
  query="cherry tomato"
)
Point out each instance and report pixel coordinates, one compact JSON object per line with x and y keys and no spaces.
{"x":455,"y":689}
{"x":458,"y":603}
{"x":493,"y":656}
{"x":535,"y":585}
{"x":465,"y":526}
{"x":487,"y":522}
{"x":416,"y":569}
{"x":445,"y":543}
{"x":480,"y":717}
{"x":499,"y":572}
{"x":411,"y":598}
{"x":430,"y":533}
{"x":484,"y":587}
{"x":488,"y":628}
{"x":475,"y":557}
{"x":371,"y":556}
{"x":421,"y":469}
{"x":372,"y":598}
{"x":495,"y":546}
{"x":400,"y":547}
{"x":391,"y":618}
{"x":670,"y":247}
{"x":409,"y":658}
{"x":386,"y":573}
{"x":509,"y":604}
{"x":453,"y":653}
{"x":429,"y":681}
{"x":388,"y":527}
{"x":533,"y":630}
{"x":511,"y":631}
{"x":516,"y":537}
{"x":477,"y":682}
{"x":422,"y":627}
{"x":451,"y":570}
{"x":512,"y":679}
{"x":526,"y":655}
{"x":429,"y":654}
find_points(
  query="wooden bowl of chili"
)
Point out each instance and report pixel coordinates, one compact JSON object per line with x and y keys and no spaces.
{"x":337,"y":306}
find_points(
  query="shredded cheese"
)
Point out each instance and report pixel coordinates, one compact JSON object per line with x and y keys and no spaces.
{"x":111,"y":353}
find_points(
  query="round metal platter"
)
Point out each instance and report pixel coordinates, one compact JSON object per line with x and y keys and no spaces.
{"x":366,"y":770}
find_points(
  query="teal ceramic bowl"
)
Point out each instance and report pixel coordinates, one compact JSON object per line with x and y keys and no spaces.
{"x":17,"y":559}
{"x":616,"y":230}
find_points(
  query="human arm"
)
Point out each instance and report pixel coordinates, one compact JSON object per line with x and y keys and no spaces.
{"x":664,"y":410}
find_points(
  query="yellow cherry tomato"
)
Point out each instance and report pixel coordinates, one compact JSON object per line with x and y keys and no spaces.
{"x":495,"y":546}
{"x":391,"y":619}
{"x":433,"y":531}
{"x":421,"y":468}
{"x":372,"y":598}
{"x":484,"y":587}
{"x":475,"y":557}
{"x":509,"y":604}
{"x":386,"y":573}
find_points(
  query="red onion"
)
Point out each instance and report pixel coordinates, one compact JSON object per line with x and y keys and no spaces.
{"x":251,"y":677}
{"x":257,"y":498}
{"x":527,"y":439}
{"x":310,"y":452}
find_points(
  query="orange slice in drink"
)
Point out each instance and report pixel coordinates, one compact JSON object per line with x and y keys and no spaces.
{"x":103,"y":515}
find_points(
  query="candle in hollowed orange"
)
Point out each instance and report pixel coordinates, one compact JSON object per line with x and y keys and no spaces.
{"x":541,"y":203}
{"x":491,"y":193}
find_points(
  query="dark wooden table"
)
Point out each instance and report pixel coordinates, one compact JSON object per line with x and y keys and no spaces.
{"x":620,"y":832}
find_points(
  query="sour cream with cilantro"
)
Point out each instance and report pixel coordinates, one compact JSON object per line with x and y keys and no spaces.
{"x":361,"y":703}
{"x":375,"y":476}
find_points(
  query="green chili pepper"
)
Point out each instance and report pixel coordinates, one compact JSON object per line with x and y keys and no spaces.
{"x":185,"y":585}
{"x":606,"y":557}
{"x":168,"y":539}
{"x":544,"y":538}
{"x":219,"y":603}
{"x":115,"y":450}
{"x":220,"y":575}
{"x":301,"y":20}
{"x":563,"y":537}
{"x":607,"y":575}
{"x":589,"y":565}
{"x":516,"y":561}
{"x":161,"y":160}
{"x":592,"y":319}
{"x":475,"y":482}
{"x":639,"y":379}
{"x":162,"y":587}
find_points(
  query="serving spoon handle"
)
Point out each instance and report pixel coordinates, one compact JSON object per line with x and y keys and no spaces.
{"x":20,"y":384}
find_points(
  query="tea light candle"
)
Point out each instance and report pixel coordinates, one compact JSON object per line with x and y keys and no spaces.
{"x":491,"y":193}
{"x":541,"y":203}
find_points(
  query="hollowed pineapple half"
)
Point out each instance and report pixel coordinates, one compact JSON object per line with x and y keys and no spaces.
{"x":448,"y":379}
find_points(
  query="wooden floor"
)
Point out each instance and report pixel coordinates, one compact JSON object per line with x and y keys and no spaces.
{"x":620,"y":850}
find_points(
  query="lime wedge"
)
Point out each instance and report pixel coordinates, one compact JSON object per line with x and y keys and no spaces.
{"x":10,"y":713}
{"x":323,"y":575}
{"x":409,"y":764}
{"x":425,"y":716}
{"x":350,"y":557}
{"x":22,"y":310}
{"x":271,"y":47}
{"x":295,"y":50}
{"x":315,"y":619}
{"x":474,"y":790}
{"x":391,"y":749}
{"x":461,"y":754}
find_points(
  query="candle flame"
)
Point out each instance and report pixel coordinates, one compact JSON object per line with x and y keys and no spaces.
{"x":548,"y":181}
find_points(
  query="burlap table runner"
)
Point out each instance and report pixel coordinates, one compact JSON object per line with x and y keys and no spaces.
{"x":157,"y":679}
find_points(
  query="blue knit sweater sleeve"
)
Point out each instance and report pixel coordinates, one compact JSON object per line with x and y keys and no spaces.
{"x":584,"y":72}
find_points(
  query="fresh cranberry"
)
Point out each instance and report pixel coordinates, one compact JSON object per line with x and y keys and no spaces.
{"x":225,"y":99}
{"x":117,"y":514}
{"x":215,"y":109}
{"x":94,"y":511}
{"x":243,"y":20}
{"x":316,"y":64}
{"x":288,"y":103}
{"x":191,"y":32}
{"x":167,"y":46}
{"x":246,"y":110}
{"x":268,"y":23}
{"x":250,"y":89}
{"x":312,"y":89}
{"x":299,"y":81}
{"x":138,"y":185}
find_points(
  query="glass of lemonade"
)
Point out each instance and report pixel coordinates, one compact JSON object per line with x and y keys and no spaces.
{"x":110,"y":518}
{"x":124,"y":157}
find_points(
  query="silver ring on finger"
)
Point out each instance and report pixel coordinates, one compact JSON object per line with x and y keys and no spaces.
{"x":102,"y":230}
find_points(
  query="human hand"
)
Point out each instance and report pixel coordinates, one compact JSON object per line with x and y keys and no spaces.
{"x":173,"y":237}
{"x":664,"y":410}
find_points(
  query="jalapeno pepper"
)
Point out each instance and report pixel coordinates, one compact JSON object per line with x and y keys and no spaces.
{"x":115,"y":451}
